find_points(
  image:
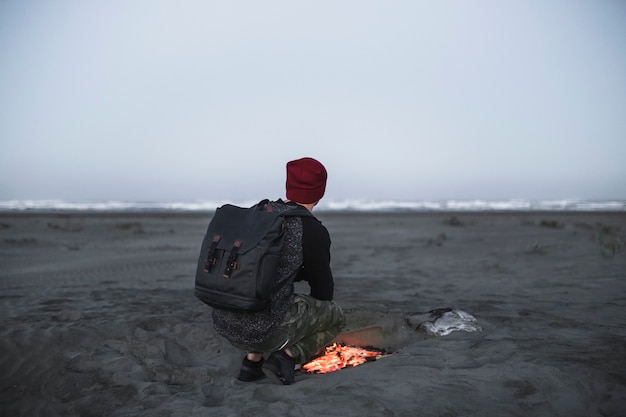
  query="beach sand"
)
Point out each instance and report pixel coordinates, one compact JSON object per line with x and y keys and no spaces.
{"x":99,"y":318}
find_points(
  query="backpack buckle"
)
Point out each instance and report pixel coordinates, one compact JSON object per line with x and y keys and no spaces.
{"x":231,"y":263}
{"x":211,"y":259}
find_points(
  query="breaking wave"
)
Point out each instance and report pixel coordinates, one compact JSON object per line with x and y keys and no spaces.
{"x":330,"y":205}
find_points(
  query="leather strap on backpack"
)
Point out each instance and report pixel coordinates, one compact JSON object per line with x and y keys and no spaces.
{"x":211,"y":260}
{"x":231,"y":263}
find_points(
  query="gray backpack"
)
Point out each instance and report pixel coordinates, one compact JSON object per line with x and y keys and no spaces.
{"x":240,"y":254}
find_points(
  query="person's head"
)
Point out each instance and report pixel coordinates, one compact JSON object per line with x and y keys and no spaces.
{"x":306,"y":180}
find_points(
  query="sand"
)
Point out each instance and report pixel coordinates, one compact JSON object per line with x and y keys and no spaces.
{"x":99,"y":318}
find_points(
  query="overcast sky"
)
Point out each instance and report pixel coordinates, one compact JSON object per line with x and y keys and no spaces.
{"x":408,"y":100}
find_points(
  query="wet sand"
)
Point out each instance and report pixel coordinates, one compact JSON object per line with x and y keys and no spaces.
{"x":99,"y":318}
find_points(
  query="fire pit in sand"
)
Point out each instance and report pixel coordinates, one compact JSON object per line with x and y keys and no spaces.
{"x":346,"y":351}
{"x":338,"y":356}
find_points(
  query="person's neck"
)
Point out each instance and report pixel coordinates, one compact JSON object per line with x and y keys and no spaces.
{"x":308,"y":206}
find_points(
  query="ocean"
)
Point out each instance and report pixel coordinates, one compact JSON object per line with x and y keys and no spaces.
{"x":325,"y":205}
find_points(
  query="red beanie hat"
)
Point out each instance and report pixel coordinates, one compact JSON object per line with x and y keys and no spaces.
{"x":306,"y":180}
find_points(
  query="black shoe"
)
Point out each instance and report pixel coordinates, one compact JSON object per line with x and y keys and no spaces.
{"x":251,"y":371}
{"x":279,"y":368}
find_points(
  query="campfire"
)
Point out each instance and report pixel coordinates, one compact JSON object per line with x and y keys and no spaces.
{"x":338,"y":356}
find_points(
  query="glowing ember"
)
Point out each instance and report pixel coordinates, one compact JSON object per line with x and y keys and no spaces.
{"x":339,"y":356}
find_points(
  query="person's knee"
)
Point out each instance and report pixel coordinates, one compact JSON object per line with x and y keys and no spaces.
{"x":336,"y":317}
{"x":342,"y":317}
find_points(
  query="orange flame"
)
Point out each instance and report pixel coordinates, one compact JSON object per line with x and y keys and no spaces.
{"x":339,"y":356}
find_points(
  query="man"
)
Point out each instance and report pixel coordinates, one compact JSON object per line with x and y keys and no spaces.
{"x":294,"y":326}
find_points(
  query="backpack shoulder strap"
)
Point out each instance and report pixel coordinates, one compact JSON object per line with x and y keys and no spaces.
{"x":298,"y":212}
{"x":294,"y":212}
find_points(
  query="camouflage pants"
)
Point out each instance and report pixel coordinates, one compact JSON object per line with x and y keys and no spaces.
{"x":309,"y":325}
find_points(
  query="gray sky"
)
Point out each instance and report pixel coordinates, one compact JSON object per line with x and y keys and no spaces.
{"x":408,"y":100}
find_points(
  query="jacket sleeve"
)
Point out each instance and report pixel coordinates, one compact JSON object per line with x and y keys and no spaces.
{"x":316,"y":268}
